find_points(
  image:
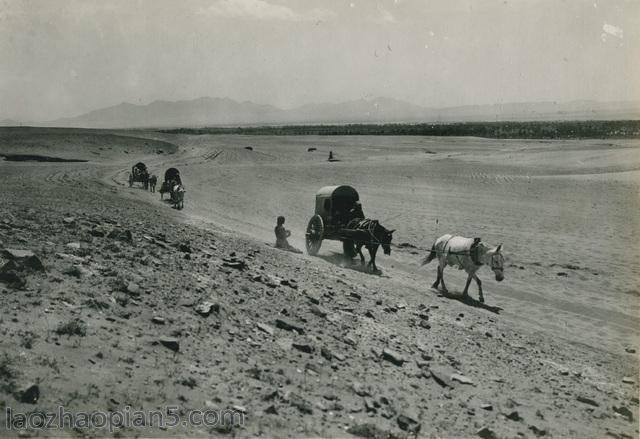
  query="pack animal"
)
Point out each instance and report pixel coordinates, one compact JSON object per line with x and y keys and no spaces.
{"x":153,"y":180}
{"x":177,"y":196}
{"x":165,"y":188}
{"x":467,"y":254}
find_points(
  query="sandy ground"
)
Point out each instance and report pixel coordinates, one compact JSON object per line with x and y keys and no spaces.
{"x":560,"y":330}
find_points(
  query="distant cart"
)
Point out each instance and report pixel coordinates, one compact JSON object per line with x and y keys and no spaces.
{"x":172,"y":184}
{"x":333,"y":204}
{"x":172,"y":174}
{"x":139,"y":173}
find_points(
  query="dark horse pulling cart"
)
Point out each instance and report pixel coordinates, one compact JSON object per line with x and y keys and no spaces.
{"x":139,"y":173}
{"x":339,"y":217}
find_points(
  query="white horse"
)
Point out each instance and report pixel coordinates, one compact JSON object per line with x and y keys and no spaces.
{"x":177,"y":196}
{"x":468,"y":254}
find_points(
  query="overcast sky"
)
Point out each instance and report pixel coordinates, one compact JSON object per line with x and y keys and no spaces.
{"x":63,"y":58}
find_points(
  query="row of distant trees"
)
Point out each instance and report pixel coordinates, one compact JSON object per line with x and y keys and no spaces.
{"x":500,"y":130}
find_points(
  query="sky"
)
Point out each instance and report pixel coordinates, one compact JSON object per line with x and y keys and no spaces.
{"x":64,"y":58}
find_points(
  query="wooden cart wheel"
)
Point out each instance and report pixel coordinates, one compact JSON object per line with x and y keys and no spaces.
{"x":313,"y":237}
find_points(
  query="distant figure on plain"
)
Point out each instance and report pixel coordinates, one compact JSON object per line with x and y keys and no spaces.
{"x":281,"y":237}
{"x":330,"y":155}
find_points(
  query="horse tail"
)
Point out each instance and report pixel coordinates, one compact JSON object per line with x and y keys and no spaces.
{"x":431,"y":256}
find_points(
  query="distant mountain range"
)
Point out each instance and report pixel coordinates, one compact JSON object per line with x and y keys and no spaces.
{"x":208,"y":111}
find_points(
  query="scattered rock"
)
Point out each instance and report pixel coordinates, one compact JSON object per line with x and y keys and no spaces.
{"x":170,"y":343}
{"x":98,"y":233}
{"x":461,"y":379}
{"x":133,"y":288}
{"x":442,"y":376}
{"x":121,"y":235}
{"x":288,"y":326}
{"x":326,"y":353}
{"x":303,"y":347}
{"x":514,"y":416}
{"x":313,"y":299}
{"x":113,"y":247}
{"x":284,"y":343}
{"x":206,"y":308}
{"x":369,"y":431}
{"x":234,"y":262}
{"x":630,"y":350}
{"x":587,"y":400}
{"x":21,"y":260}
{"x":77,"y":271}
{"x":624,"y":412}
{"x":539,"y":432}
{"x":408,"y":424}
{"x":70,"y":257}
{"x":628,"y":380}
{"x":289,"y":283}
{"x":360,"y":389}
{"x":338,"y":356}
{"x":265,"y":328}
{"x":73,"y":245}
{"x":562,"y":273}
{"x":393,"y":357}
{"x":319,"y":311}
{"x":29,"y":394}
{"x":486,"y":433}
{"x":239,"y":408}
{"x":300,"y":403}
{"x":11,"y":253}
{"x":10,"y":274}
{"x":369,"y":405}
{"x":158,"y":320}
{"x":350,"y":340}
{"x":487,"y":407}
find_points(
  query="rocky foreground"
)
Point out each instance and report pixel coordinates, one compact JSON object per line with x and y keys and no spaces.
{"x":110,"y":303}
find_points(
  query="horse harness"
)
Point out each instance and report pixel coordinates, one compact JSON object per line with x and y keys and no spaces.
{"x":366,"y":225}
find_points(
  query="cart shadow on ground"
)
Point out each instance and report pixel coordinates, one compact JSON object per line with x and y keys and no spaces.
{"x":467,"y":300}
{"x":353,"y":264}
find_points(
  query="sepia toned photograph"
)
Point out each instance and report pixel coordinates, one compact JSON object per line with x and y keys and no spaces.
{"x":376,"y":219}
